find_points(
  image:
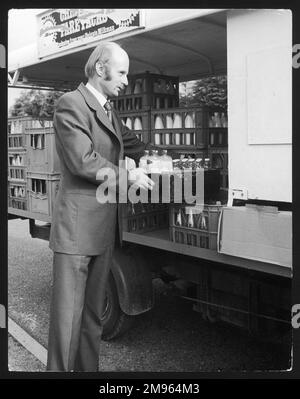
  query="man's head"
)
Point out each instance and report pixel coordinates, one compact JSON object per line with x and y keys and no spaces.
{"x":107,"y":68}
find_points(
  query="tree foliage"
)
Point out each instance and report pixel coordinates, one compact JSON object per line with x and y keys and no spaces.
{"x":36,"y":103}
{"x":211,"y":91}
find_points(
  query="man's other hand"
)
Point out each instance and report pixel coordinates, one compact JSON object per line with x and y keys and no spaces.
{"x":139,"y":178}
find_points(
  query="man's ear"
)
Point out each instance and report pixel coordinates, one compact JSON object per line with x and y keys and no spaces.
{"x":99,"y":68}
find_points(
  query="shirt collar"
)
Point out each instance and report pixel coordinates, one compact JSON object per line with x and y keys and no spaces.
{"x":100,"y":97}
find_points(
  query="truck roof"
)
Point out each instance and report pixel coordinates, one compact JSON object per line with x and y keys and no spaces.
{"x":189,"y":43}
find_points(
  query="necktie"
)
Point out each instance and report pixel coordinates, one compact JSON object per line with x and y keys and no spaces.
{"x":108,"y":108}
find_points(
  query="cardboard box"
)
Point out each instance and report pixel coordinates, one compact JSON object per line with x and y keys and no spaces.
{"x":257,"y":232}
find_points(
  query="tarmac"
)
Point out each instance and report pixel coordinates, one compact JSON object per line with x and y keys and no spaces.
{"x":169,"y":338}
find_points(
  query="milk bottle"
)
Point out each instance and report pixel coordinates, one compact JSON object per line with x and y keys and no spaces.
{"x":143,"y":161}
{"x":166,"y":162}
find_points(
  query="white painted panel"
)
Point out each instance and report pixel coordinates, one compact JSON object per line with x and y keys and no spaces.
{"x":269,"y":96}
{"x":263,"y":169}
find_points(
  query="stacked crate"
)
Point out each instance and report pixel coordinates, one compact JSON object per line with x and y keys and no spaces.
{"x":150,"y":106}
{"x":199,"y":132}
{"x":148,"y":90}
{"x":145,"y":92}
{"x":43,"y":167}
{"x":17,"y":163}
{"x":179,"y":128}
{"x":41,"y":151}
{"x":139,"y":121}
{"x":218,"y":145}
{"x":42,"y":189}
{"x":33,"y":166}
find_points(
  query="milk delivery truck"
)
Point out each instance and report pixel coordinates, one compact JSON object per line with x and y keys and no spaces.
{"x":233,"y":260}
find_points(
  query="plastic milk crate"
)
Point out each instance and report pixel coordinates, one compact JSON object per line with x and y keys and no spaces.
{"x":42,"y":189}
{"x":195,"y":226}
{"x":144,"y":217}
{"x":17,"y":195}
{"x":41,"y":151}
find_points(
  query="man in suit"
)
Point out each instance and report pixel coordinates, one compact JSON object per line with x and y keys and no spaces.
{"x":88,"y":139}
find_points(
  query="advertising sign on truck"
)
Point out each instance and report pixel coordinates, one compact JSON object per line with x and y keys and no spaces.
{"x":63,"y":29}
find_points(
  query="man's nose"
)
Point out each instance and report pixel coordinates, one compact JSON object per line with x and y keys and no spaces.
{"x":125,"y":80}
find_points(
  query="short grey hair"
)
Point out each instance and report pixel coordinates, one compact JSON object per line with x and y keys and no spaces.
{"x":101,"y":53}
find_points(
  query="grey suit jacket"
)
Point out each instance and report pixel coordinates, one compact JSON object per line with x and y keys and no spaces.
{"x":86,"y":141}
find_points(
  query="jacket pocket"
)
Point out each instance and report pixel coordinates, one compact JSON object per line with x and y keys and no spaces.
{"x":96,"y":225}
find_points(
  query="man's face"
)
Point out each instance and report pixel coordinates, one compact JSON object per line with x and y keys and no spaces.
{"x":114,"y":78}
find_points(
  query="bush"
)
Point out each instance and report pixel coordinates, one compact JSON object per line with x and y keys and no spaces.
{"x":36,"y":103}
{"x":211,"y":91}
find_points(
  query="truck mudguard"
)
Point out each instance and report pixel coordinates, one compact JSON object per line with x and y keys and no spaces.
{"x":133,"y":280}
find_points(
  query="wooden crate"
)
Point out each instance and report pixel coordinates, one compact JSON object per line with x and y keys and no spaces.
{"x":182,"y":139}
{"x":41,"y":151}
{"x":219,"y":160}
{"x":17,"y":173}
{"x":17,"y":158}
{"x":180,"y":128}
{"x":148,"y":89}
{"x":144,"y":217}
{"x":217,"y":118}
{"x":194,"y":153}
{"x":42,"y":189}
{"x":190,"y":227}
{"x":129,"y":119}
{"x":16,"y":141}
{"x":141,"y":129}
{"x":18,"y":124}
{"x":217,"y":137}
{"x":183,"y":187}
{"x":17,"y":195}
{"x":18,"y":203}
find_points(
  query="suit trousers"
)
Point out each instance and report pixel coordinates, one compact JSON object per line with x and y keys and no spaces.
{"x":77,"y":303}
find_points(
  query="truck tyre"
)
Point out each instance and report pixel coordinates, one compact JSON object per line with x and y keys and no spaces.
{"x":115,"y":321}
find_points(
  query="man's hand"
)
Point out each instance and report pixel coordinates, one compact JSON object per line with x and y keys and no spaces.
{"x":130,"y":163}
{"x":139,"y":178}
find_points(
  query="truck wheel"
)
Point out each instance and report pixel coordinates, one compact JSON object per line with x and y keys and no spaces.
{"x":115,"y":321}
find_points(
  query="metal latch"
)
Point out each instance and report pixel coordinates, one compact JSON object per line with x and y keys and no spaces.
{"x":239,"y":193}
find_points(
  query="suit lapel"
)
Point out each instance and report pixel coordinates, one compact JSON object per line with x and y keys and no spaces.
{"x":117,"y":126}
{"x":101,"y":114}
